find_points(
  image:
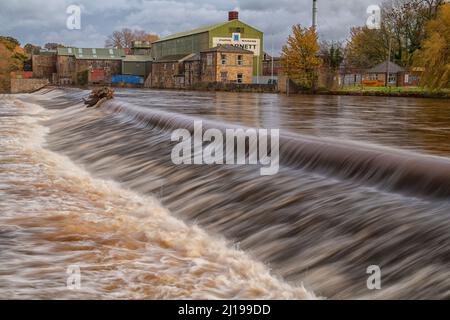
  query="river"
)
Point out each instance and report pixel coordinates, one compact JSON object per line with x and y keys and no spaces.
{"x":362,"y":181}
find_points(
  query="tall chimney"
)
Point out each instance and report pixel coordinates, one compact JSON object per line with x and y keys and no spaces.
{"x":233,"y":15}
{"x":314,"y":14}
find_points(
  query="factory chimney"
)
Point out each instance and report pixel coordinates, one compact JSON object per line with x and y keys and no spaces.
{"x":314,"y":14}
{"x":233,"y":15}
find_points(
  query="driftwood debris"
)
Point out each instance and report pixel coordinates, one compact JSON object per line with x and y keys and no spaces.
{"x":98,"y":96}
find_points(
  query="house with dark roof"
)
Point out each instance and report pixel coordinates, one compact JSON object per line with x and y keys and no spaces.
{"x":376,"y":76}
{"x":386,"y":71}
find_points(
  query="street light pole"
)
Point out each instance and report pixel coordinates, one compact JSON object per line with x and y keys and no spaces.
{"x":388,"y":62}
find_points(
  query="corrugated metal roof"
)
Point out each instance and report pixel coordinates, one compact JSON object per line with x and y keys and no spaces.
{"x":175,"y":57}
{"x":92,"y":53}
{"x":137,"y":58}
{"x":191,"y":32}
{"x":382,"y":67}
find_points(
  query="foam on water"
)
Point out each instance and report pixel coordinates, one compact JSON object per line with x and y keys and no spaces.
{"x":54,"y":214}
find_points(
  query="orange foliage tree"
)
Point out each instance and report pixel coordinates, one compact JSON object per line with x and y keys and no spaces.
{"x":300,"y":57}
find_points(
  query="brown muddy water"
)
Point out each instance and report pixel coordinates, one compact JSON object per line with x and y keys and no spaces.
{"x":362,"y":181}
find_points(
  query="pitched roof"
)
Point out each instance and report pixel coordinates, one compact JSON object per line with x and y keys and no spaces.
{"x":228,"y":48}
{"x":382,"y":68}
{"x":195,"y":57}
{"x":92,"y":53}
{"x":175,"y":57}
{"x":137,"y":58}
{"x":202,"y":30}
{"x":191,"y":32}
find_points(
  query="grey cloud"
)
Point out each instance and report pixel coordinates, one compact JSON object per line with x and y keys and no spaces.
{"x":39,"y":21}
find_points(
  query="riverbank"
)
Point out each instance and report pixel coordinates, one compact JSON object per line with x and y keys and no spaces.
{"x":405,"y":92}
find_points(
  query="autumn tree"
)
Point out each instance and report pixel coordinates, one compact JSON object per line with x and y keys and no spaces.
{"x":403,"y":25}
{"x":434,"y":55}
{"x":32,"y":49}
{"x":367,"y":47}
{"x":300,"y":56}
{"x":406,"y":20}
{"x":12,"y":57}
{"x":53,"y":46}
{"x":125,"y":37}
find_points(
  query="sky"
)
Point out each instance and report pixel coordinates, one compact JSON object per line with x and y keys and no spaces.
{"x":39,"y":21}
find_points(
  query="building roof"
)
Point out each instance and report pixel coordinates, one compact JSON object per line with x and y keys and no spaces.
{"x":92,"y":53}
{"x":195,"y":57}
{"x":175,"y":57}
{"x":137,"y":58}
{"x":382,"y":68}
{"x":201,"y":30}
{"x":228,"y":48}
{"x":44,"y":52}
{"x":191,"y":32}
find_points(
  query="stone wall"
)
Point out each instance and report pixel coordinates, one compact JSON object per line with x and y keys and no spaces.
{"x":44,"y":66}
{"x":27,"y":85}
{"x":169,"y":74}
{"x":218,"y":72}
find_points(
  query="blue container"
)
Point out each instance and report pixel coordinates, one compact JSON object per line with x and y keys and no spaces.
{"x":127,"y":79}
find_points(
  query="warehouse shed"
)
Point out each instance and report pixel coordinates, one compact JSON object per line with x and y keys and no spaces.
{"x":138,"y":65}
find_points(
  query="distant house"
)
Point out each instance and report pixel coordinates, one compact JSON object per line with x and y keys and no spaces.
{"x":227,"y":63}
{"x":168,"y":71}
{"x":377,"y":76}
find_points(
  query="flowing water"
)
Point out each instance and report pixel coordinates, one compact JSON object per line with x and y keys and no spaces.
{"x":362,"y":181}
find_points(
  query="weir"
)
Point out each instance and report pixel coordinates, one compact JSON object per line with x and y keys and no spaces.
{"x":391,"y":169}
{"x":334,"y":208}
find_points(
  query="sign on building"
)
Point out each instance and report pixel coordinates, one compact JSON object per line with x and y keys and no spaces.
{"x":236,"y":40}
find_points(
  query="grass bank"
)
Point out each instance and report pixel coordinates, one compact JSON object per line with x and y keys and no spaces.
{"x":415,"y":92}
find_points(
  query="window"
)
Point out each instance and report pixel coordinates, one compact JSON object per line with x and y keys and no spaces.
{"x":223,"y":58}
{"x":224,"y":76}
{"x":209,"y":59}
{"x":373,"y":76}
{"x":240,"y":78}
{"x":240,"y":60}
{"x":392,"y":78}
